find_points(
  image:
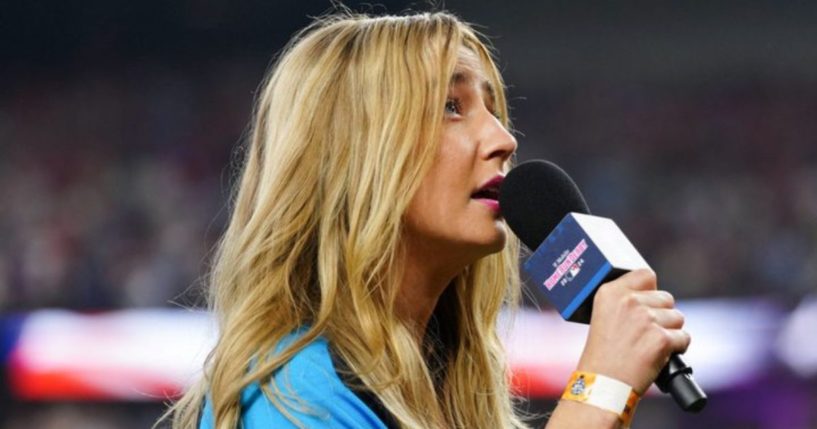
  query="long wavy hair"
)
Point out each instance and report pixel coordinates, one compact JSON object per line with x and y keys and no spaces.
{"x":346,"y":124}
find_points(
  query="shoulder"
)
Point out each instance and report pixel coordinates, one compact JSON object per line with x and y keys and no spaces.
{"x":314,"y":394}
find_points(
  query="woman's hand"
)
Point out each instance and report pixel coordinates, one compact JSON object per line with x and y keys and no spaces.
{"x":633,"y":331}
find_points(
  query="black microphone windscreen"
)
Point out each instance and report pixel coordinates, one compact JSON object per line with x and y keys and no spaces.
{"x":535,"y":196}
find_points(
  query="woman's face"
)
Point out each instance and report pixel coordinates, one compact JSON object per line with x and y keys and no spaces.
{"x":456,"y":206}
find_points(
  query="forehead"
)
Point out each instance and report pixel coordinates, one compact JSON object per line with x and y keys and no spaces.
{"x":470,"y":71}
{"x":468,"y":63}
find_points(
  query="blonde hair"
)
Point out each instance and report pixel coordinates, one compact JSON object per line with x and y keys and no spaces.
{"x":345,"y":127}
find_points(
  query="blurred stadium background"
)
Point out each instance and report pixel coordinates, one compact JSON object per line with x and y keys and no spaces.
{"x":693,"y":124}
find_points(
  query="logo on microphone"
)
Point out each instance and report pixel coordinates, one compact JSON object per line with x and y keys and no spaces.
{"x":567,"y":266}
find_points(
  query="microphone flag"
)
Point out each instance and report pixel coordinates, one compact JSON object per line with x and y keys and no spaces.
{"x":581,"y":253}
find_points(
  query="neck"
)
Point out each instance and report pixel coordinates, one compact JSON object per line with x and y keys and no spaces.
{"x":428,"y":272}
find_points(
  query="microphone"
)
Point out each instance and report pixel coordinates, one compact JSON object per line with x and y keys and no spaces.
{"x":575,"y":253}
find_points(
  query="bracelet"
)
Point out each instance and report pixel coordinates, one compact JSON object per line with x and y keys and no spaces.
{"x":603,"y":392}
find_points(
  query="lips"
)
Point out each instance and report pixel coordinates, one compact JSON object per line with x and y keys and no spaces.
{"x":489,"y":190}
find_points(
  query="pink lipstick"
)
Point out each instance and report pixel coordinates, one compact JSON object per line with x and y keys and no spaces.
{"x":488,"y":193}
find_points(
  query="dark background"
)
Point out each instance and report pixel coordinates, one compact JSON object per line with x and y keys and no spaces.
{"x":693,"y":124}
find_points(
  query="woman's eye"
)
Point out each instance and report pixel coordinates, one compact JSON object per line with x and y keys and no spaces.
{"x":452,"y":107}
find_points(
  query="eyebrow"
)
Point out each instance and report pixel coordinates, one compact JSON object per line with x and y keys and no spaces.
{"x":461,"y":77}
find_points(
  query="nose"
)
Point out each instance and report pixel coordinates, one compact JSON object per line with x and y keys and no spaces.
{"x":495,"y":140}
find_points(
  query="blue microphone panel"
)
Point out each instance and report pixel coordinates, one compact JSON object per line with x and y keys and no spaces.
{"x":567,"y":268}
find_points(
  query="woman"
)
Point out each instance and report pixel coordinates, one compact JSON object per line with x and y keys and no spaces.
{"x":360,"y":278}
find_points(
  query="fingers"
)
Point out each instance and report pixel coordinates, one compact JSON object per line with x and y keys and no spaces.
{"x":635,"y":289}
{"x":645,"y":285}
{"x":641,"y":279}
{"x":657,"y":307}
{"x":678,"y":340}
{"x":656,"y":298}
{"x":668,"y":318}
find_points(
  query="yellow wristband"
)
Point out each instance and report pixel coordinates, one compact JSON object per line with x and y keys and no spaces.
{"x":603,"y":392}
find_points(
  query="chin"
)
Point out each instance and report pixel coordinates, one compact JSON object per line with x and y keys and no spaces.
{"x":495,"y":243}
{"x":499,"y":245}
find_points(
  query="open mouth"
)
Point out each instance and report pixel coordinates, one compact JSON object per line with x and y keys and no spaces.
{"x":490,"y":190}
{"x":487,"y":194}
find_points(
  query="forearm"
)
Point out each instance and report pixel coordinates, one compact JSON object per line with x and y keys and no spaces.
{"x":575,"y":415}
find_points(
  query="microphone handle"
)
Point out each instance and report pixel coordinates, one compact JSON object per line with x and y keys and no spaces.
{"x":676,"y":378}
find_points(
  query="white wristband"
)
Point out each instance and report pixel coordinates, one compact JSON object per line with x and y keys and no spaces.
{"x":603,"y":392}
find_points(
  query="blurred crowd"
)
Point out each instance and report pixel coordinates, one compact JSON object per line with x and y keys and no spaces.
{"x":115,"y":183}
{"x":715,"y":182}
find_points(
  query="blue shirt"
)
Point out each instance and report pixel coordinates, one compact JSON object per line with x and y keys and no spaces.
{"x":311,"y":375}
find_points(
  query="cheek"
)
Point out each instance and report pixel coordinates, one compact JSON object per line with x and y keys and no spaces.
{"x":431,"y":205}
{"x":436,"y":199}
{"x":446,"y":189}
{"x":453,"y":167}
{"x":423,"y":210}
